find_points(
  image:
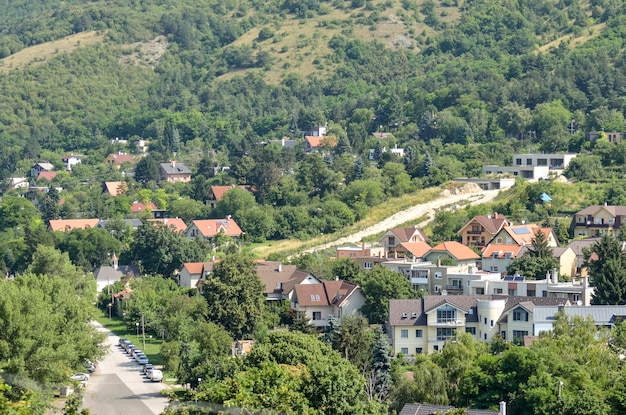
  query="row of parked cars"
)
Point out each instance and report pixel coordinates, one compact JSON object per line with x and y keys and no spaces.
{"x":148,"y":370}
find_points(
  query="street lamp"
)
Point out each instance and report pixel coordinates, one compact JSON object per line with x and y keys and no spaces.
{"x":110,"y":307}
{"x":137,"y":326}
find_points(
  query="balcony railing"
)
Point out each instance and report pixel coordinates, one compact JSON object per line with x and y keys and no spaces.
{"x":454,"y":288}
{"x":474,"y":232}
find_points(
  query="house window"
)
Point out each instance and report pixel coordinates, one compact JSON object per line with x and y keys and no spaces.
{"x":471,"y":330}
{"x":418,"y":350}
{"x":491,"y":323}
{"x":315,"y":297}
{"x":576,"y":298}
{"x":404,"y":351}
{"x":508,"y":255}
{"x":446,"y":314}
{"x":520,"y":315}
{"x":580,"y":219}
{"x":529,"y":162}
{"x":419,"y":333}
{"x":542,"y":162}
{"x":531,"y":293}
{"x":499,"y":240}
{"x":445,"y":332}
{"x":503,"y":334}
{"x":519,"y":334}
{"x":497,"y":290}
{"x":518,"y":162}
{"x":485,"y":321}
{"x":485,"y":336}
{"x":392,"y":241}
{"x":317,"y":315}
{"x":367,"y":265}
{"x":480,"y":291}
{"x":437,"y":275}
{"x":544,"y":293}
{"x":435,"y":348}
{"x":495,"y":255}
{"x":404,"y":334}
{"x":512,"y":292}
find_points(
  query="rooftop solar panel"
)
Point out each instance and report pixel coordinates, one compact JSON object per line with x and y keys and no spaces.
{"x":521,"y":231}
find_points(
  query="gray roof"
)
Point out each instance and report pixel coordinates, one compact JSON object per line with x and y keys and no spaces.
{"x":578,"y":245}
{"x":427,"y":409}
{"x":601,"y":314}
{"x":175,"y":168}
{"x":109,"y":274}
{"x":134,"y":223}
{"x":613,"y":210}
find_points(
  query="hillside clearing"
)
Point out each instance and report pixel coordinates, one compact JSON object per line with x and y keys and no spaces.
{"x":571,"y":41}
{"x":41,"y":53}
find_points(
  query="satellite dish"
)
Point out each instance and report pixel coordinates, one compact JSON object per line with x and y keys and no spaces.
{"x":579,"y":303}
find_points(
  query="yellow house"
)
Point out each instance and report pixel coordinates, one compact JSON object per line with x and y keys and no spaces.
{"x":598,"y":220}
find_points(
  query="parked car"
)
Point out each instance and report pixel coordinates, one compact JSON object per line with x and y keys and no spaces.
{"x":124,"y":343}
{"x":81,"y":377}
{"x":134,"y":351}
{"x":142,"y":360}
{"x":156,"y":375}
{"x":147,"y":368}
{"x":129,"y":347}
{"x":89,"y":366}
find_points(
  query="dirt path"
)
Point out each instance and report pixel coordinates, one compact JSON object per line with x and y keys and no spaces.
{"x":473,"y":197}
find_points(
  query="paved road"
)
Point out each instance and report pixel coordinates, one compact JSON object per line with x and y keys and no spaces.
{"x":119,"y":388}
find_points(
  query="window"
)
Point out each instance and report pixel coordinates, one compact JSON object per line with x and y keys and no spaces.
{"x":419,"y":333}
{"x":480,"y":291}
{"x":485,"y":321}
{"x":508,"y":255}
{"x":529,"y":162}
{"x":446,"y":314}
{"x":497,"y":290}
{"x":367,"y":265}
{"x":531,"y":293}
{"x":503,"y":334}
{"x":542,"y":162}
{"x":418,"y":350}
{"x":512,"y":292}
{"x":519,"y":334}
{"x":544,"y":293}
{"x":445,"y":332}
{"x":315,"y":297}
{"x":494,"y":269}
{"x":520,"y":315}
{"x":404,"y":334}
{"x":491,"y":323}
{"x":485,"y":336}
{"x":518,"y":162}
{"x":471,"y":330}
{"x":437,"y":275}
{"x":404,"y":351}
{"x":495,"y":255}
{"x":499,"y":240}
{"x":575,"y":297}
{"x":317,"y":315}
{"x":392,"y":241}
{"x":435,"y":348}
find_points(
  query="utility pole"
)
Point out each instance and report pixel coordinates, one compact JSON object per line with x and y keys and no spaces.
{"x":143,"y":331}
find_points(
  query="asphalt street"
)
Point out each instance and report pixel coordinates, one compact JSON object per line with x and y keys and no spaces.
{"x":118,"y":386}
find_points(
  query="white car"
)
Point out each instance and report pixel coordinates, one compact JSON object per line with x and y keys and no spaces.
{"x":81,"y":377}
{"x":156,"y":375}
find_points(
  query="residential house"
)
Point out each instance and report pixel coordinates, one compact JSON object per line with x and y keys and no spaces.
{"x":19,"y":183}
{"x":192,"y":273}
{"x":140,"y":207}
{"x":399,"y":152}
{"x":481,"y":229}
{"x":117,"y":159}
{"x":210,"y":228}
{"x":285,"y":143}
{"x":598,"y":220}
{"x":66,"y":225}
{"x":174,"y":172}
{"x":316,"y":143}
{"x":115,"y":188}
{"x":550,"y":287}
{"x":142,"y":145}
{"x":567,"y":261}
{"x":452,"y":250}
{"x":110,"y":274}
{"x":395,"y":237}
{"x":578,"y":246}
{"x":319,"y":131}
{"x":612,"y":136}
{"x":175,"y":224}
{"x":382,"y":136}
{"x":498,"y":257}
{"x":113,"y":224}
{"x":603,"y":315}
{"x":532,"y":166}
{"x":242,"y":347}
{"x":414,"y":250}
{"x":523,"y":235}
{"x":40,"y":167}
{"x":319,"y":301}
{"x":434,"y":278}
{"x":359,"y":251}
{"x":280,"y":280}
{"x":216,"y":193}
{"x":70,"y":161}
{"x":423,"y":325}
{"x":367,"y":263}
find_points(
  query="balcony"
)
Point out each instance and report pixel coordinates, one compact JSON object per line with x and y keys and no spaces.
{"x":454,"y":288}
{"x":449,"y":322}
{"x":474,"y":232}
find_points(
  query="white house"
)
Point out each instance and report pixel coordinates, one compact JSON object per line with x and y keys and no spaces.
{"x":319,"y":301}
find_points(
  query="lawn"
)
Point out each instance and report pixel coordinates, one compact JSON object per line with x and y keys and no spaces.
{"x":118,"y":326}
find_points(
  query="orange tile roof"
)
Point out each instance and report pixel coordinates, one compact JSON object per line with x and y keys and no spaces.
{"x":47,"y":175}
{"x":418,"y":249}
{"x":193,"y":267}
{"x":212,"y":227}
{"x":220,"y":191}
{"x":177,"y":223}
{"x":457,"y":250}
{"x":120,"y":158}
{"x":326,"y":294}
{"x":63,"y":225}
{"x":524,"y":234}
{"x":315,"y":141}
{"x":502,"y":249}
{"x":116,"y":188}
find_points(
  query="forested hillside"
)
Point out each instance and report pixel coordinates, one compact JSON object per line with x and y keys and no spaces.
{"x":469,"y":73}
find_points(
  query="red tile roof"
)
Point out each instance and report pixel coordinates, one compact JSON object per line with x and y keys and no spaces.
{"x":326,"y":294}
{"x":315,"y":141}
{"x":525,"y":234}
{"x":116,"y":188}
{"x":406,"y":234}
{"x":418,"y":249}
{"x":492,"y":223}
{"x":63,"y":225}
{"x":47,"y":175}
{"x":193,"y":267}
{"x":502,"y":250}
{"x":138,"y":207}
{"x":457,"y":250}
{"x":220,"y":191}
{"x":119,"y":158}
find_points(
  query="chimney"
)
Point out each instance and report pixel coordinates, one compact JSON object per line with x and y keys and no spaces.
{"x":502,"y":408}
{"x":114,"y":261}
{"x":555,"y":276}
{"x":228,"y":217}
{"x":173,"y":163}
{"x":585,"y":282}
{"x":438,"y":261}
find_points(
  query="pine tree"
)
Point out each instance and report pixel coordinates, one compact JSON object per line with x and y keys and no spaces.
{"x":359,"y":168}
{"x":607,"y":272}
{"x":380,"y":378}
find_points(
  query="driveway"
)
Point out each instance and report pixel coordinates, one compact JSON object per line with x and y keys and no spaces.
{"x":118,"y":386}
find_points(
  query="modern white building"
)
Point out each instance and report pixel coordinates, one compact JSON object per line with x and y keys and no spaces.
{"x":532,"y":166}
